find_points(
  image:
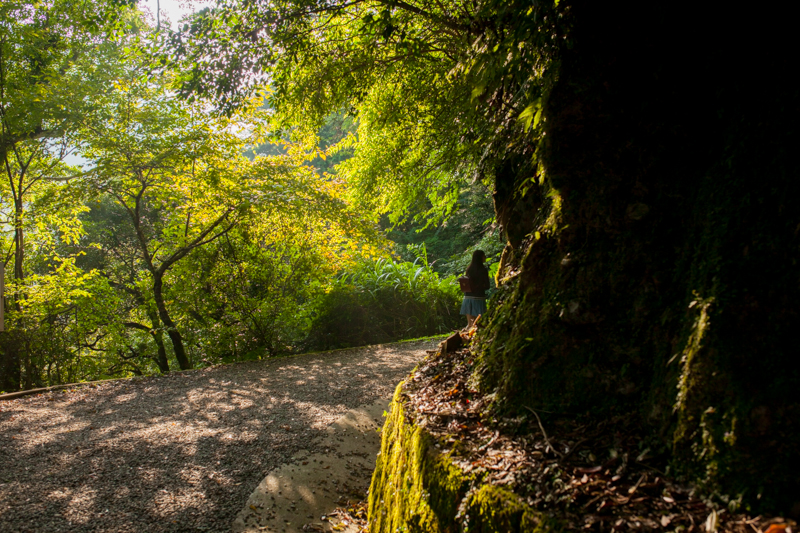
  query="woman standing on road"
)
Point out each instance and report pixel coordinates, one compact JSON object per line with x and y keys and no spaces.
{"x":474,"y":303}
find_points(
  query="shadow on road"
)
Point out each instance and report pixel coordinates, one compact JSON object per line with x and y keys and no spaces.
{"x":180,"y":452}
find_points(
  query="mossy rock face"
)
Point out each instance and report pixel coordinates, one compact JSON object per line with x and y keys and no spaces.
{"x":417,"y":488}
{"x":493,"y":509}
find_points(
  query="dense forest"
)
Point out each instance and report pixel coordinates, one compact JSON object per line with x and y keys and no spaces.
{"x":144,"y":231}
{"x":269,"y":172}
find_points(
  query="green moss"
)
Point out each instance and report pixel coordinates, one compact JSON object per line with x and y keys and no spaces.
{"x":693,"y":373}
{"x":417,"y":488}
{"x":414,"y":488}
{"x":493,"y":509}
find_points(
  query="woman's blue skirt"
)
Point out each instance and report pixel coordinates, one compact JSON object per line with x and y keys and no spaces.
{"x":473,"y":306}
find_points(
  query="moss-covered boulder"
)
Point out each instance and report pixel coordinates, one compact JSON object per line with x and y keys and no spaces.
{"x":416,"y":487}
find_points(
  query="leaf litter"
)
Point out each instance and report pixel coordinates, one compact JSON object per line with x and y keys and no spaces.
{"x":594,"y":476}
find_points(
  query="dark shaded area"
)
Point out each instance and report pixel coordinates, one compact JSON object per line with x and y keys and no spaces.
{"x":483,"y":475}
{"x":669,"y":284}
{"x":357,"y":316}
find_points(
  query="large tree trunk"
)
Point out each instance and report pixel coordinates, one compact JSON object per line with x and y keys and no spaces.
{"x":172,"y":329}
{"x":669,"y":282}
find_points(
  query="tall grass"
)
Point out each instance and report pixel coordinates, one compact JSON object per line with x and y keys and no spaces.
{"x":384,"y":300}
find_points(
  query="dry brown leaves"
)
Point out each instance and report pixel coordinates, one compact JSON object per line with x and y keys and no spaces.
{"x":594,"y":476}
{"x":341,"y":518}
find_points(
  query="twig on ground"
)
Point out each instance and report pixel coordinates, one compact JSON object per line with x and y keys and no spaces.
{"x":632,"y":490}
{"x":593,"y":500}
{"x":544,"y":433}
{"x":573,"y":449}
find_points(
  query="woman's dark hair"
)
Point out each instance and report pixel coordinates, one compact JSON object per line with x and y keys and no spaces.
{"x":476,"y":265}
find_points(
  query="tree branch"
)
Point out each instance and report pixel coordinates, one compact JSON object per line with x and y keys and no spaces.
{"x":136,"y":325}
{"x":197,"y":241}
{"x":422,"y":13}
{"x":38,"y":133}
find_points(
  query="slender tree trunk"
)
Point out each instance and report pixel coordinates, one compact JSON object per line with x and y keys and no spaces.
{"x":30,"y":370}
{"x":161,"y":360}
{"x":10,"y":361}
{"x":19,"y":276}
{"x":19,"y":240}
{"x":158,"y":283}
{"x":10,"y":375}
{"x":172,"y":330}
{"x":158,"y":338}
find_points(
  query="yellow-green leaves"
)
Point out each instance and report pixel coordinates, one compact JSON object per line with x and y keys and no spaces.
{"x":477,"y":91}
{"x":531,"y":115}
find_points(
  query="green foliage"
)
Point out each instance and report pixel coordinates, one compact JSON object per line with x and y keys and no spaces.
{"x":333,"y":142}
{"x":187,"y":201}
{"x":52,"y":65}
{"x":253,"y":293}
{"x":436,"y":89}
{"x":55,"y":63}
{"x":449,"y":244}
{"x":105,"y":262}
{"x":56,"y":322}
{"x":382,"y":301}
{"x":186,"y":240}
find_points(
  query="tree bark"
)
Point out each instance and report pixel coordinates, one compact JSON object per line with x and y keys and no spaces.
{"x":161,"y":359}
{"x":11,"y":361}
{"x":172,"y":329}
{"x":669,"y":285}
{"x":155,"y":332}
{"x":10,"y":374}
{"x":19,"y":240}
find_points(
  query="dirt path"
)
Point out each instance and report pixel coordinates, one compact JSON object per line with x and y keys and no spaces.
{"x":181,"y":452}
{"x":305,"y":495}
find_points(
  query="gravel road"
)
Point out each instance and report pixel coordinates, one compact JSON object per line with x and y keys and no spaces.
{"x":180,"y":452}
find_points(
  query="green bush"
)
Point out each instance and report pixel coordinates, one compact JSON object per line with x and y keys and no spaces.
{"x":382,"y":301}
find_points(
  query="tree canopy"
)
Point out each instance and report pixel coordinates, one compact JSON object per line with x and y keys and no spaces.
{"x":438,"y":89}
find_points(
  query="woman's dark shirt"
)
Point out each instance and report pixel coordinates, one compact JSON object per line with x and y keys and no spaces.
{"x":478,"y":279}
